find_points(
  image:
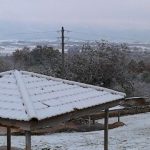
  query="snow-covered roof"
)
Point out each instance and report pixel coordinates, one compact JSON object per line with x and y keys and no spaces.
{"x":26,"y":95}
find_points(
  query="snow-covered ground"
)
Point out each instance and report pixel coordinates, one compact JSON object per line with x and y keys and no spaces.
{"x":134,"y":136}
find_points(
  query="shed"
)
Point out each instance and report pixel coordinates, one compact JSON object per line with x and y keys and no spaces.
{"x":31,"y":101}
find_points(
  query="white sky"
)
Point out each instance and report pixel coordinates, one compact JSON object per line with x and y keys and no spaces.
{"x":123,"y":14}
{"x":109,"y":13}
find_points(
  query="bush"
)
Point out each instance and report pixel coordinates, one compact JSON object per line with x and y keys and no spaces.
{"x":146,"y":77}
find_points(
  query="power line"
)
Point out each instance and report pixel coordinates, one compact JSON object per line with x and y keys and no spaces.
{"x":37,"y":35}
{"x":55,"y":31}
{"x":79,"y":39}
{"x":85,"y":33}
{"x":29,"y":33}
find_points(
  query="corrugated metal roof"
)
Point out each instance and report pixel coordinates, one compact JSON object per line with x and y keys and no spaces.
{"x":26,"y":95}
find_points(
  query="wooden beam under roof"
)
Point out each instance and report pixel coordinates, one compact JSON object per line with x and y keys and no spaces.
{"x":22,"y":125}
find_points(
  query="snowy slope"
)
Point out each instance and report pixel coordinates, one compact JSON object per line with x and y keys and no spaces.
{"x":134,"y":136}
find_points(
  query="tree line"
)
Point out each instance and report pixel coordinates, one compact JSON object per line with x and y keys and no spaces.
{"x":102,"y":63}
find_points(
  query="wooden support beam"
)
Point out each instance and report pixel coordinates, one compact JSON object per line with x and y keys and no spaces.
{"x":8,"y":138}
{"x":106,"y":129}
{"x":23,"y":125}
{"x":28,"y":140}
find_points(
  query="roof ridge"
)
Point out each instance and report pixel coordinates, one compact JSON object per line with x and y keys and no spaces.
{"x":25,"y":96}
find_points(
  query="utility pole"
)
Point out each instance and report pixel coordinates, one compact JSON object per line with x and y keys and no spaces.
{"x":63,"y":56}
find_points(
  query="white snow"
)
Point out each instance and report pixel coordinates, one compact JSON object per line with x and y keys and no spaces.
{"x":133,"y":136}
{"x":117,"y":107}
{"x":39,"y":96}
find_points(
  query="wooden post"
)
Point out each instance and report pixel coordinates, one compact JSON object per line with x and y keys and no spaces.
{"x":89,"y":121}
{"x":93,"y":121}
{"x":118,"y":116}
{"x":28,"y":140}
{"x":8,"y":138}
{"x":106,"y":129}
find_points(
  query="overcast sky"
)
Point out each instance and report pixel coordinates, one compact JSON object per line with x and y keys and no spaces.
{"x":133,"y":15}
